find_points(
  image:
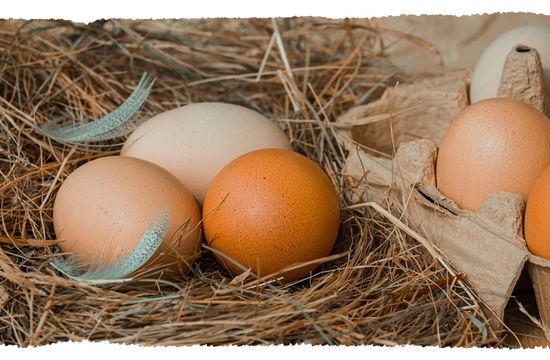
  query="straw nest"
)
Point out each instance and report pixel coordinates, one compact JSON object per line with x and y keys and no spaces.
{"x":378,"y":286}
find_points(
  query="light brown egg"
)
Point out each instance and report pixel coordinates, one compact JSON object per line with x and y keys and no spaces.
{"x":494,"y":145}
{"x":196,"y":141}
{"x":269,"y":209}
{"x":105,"y":207}
{"x":537,"y":231}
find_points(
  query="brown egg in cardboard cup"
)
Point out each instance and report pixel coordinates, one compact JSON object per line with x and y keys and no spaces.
{"x":497,"y":144}
{"x":486,"y":246}
{"x":537,"y":214}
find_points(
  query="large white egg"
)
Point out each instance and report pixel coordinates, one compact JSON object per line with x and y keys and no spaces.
{"x":196,"y":141}
{"x":488,"y":71}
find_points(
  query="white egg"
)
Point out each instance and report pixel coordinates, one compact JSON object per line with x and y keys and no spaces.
{"x":196,"y":141}
{"x":488,"y":71}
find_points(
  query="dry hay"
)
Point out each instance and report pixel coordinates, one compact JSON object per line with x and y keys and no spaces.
{"x":379,"y":286}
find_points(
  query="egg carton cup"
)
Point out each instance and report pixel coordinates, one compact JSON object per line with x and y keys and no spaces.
{"x":409,"y":121}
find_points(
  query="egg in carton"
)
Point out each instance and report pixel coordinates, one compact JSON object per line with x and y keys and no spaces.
{"x":410,"y":121}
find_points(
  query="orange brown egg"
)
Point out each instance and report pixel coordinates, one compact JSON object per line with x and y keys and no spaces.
{"x":537,"y":214}
{"x":270,"y":209}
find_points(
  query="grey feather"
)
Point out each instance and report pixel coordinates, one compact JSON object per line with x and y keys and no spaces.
{"x":113,"y":125}
{"x":145,"y":248}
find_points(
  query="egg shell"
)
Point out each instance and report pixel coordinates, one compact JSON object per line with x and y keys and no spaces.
{"x":196,"y":141}
{"x":537,"y":231}
{"x":497,"y":144}
{"x":103,"y":208}
{"x":488,"y":70}
{"x":269,"y":209}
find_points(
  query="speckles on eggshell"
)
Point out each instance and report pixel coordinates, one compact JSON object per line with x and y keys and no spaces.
{"x":106,"y":206}
{"x":146,"y":246}
{"x":280,"y":211}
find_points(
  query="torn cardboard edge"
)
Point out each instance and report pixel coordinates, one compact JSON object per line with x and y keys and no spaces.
{"x":409,"y":121}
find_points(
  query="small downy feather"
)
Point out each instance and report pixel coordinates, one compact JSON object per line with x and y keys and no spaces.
{"x":144,"y":250}
{"x":113,"y":125}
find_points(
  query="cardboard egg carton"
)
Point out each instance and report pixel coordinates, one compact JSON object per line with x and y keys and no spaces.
{"x":410,"y":121}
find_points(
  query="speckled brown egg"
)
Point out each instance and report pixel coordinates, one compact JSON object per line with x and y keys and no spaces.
{"x":270,"y":209}
{"x":497,"y":144}
{"x":194,"y":142}
{"x":105,"y":207}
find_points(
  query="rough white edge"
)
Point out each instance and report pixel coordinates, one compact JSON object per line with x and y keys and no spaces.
{"x":86,"y":11}
{"x":87,"y":350}
{"x":90,"y":11}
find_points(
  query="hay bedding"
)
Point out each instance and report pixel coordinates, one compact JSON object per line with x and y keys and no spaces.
{"x":379,"y":286}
